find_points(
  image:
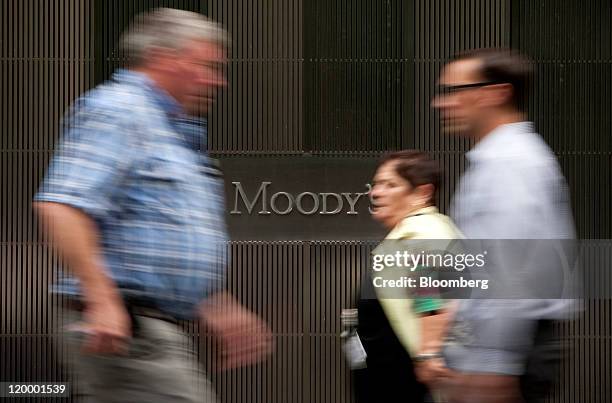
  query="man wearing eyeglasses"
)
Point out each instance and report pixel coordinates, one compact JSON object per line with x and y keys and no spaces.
{"x":513,"y":189}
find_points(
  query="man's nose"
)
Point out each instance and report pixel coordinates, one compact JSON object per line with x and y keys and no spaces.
{"x":220,"y":81}
{"x":438,"y":101}
{"x":212,"y":80}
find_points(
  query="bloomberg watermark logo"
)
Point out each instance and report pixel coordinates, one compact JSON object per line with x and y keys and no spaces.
{"x":306,"y":203}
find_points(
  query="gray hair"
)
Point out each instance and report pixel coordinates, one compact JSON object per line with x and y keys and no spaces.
{"x":167,"y":28}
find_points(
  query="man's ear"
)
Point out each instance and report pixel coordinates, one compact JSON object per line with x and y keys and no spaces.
{"x":161,"y":58}
{"x":497,"y":94}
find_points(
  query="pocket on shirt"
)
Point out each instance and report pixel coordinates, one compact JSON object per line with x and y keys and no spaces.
{"x":156,"y":186}
{"x":160,"y":170}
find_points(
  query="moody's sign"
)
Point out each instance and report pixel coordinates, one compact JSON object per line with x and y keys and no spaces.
{"x":299,"y":198}
{"x":306,"y":203}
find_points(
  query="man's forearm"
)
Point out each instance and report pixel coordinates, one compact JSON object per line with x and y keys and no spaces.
{"x":75,"y":237}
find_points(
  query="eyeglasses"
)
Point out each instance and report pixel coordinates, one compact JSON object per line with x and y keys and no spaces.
{"x":450,"y":89}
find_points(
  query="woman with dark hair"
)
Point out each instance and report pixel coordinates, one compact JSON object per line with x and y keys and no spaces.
{"x":402,"y":336}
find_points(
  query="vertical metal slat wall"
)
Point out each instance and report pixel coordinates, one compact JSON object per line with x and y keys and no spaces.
{"x":344,"y":78}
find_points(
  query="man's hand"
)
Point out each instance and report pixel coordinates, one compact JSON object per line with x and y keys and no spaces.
{"x":245,"y":339}
{"x":106,"y":326}
{"x":106,"y":323}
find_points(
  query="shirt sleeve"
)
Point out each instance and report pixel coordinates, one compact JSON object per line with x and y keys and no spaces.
{"x":94,"y":152}
{"x":427,"y":304}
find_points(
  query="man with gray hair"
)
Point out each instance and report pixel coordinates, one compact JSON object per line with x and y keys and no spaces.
{"x":135,"y":207}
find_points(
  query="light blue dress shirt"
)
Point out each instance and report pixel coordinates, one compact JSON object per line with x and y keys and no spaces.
{"x":513,"y":189}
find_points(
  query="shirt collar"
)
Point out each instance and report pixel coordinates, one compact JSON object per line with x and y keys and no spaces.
{"x":193,"y":129}
{"x":422,"y":211}
{"x":406,"y":227}
{"x":169,"y":105}
{"x":498,"y":140}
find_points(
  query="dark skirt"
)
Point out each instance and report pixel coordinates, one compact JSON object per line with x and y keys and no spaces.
{"x":389,"y":376}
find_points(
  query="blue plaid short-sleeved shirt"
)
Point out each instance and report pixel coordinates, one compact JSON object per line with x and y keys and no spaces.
{"x":129,"y":159}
